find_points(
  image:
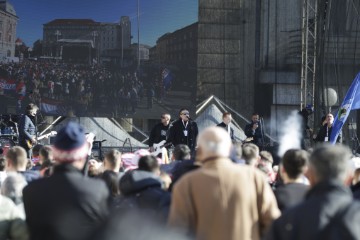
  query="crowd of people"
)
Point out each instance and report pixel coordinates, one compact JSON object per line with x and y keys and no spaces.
{"x":209,"y":187}
{"x":83,"y":90}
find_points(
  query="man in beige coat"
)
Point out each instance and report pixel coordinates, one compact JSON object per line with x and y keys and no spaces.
{"x":222,"y":200}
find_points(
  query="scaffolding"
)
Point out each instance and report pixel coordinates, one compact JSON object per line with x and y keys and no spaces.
{"x":308,"y":52}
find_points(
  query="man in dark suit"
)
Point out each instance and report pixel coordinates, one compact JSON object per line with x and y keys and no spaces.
{"x":184,"y":131}
{"x":253,"y":130}
{"x":226,"y":124}
{"x":67,"y":205}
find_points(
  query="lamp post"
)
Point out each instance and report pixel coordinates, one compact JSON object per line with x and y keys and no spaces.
{"x":29,"y":51}
{"x":138,"y":33}
{"x":330,"y":98}
{"x":122,"y":43}
{"x":57,"y":33}
{"x":95,"y":34}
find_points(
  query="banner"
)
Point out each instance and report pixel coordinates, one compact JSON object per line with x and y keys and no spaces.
{"x":7,"y":84}
{"x":52,"y":107}
{"x":167,"y":78}
{"x":350,"y":102}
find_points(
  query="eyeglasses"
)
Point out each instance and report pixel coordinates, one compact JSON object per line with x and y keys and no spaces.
{"x":184,"y":113}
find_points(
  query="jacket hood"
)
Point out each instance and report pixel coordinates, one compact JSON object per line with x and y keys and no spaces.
{"x":136,"y":181}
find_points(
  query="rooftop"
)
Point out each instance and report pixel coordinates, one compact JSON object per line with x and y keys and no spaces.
{"x":77,"y":22}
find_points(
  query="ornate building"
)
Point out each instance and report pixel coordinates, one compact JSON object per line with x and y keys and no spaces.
{"x":8,"y":23}
{"x":70,"y":38}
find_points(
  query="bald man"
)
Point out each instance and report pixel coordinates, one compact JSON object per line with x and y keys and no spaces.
{"x":222,"y":200}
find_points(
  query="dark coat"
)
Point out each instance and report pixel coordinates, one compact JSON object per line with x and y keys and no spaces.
{"x":224,"y":126}
{"x":257,"y":137}
{"x":356,"y":191}
{"x":320,"y":137}
{"x":324,"y":204}
{"x":66,"y":206}
{"x":176,"y":135}
{"x":142,"y":190}
{"x":180,"y":169}
{"x":158,"y":133}
{"x":288,"y":195}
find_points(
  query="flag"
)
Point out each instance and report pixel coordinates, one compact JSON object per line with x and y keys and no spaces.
{"x":8,"y":86}
{"x":52,"y":107}
{"x":167,"y":78}
{"x":350,"y":102}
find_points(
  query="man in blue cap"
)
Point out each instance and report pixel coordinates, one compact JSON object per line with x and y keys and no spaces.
{"x":67,"y":205}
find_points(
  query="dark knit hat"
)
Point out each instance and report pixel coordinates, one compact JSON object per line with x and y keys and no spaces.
{"x":70,"y":143}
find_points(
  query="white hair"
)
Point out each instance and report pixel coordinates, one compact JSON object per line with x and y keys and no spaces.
{"x":214,"y":141}
{"x":12,"y":186}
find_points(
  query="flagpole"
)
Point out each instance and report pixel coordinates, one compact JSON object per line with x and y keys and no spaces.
{"x":138,"y":33}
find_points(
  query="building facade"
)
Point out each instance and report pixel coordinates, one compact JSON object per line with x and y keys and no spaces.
{"x":99,"y":37}
{"x":178,"y":48}
{"x":8,"y":23}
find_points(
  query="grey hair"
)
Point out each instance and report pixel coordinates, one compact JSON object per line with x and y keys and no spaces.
{"x":215,"y":141}
{"x":12,"y":187}
{"x":330,"y":162}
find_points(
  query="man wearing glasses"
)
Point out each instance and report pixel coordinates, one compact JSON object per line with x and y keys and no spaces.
{"x":159,"y":131}
{"x":184,"y":131}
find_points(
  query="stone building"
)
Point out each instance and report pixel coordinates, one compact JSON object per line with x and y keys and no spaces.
{"x":249,"y":54}
{"x":91,"y":39}
{"x":8,"y":23}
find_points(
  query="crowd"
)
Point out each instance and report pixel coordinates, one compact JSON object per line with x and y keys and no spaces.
{"x":227,"y":191}
{"x":82,"y":89}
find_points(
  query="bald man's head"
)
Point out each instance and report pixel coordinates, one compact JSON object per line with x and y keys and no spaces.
{"x":213,"y":142}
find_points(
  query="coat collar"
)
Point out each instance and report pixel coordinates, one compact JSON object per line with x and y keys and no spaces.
{"x":216,"y":162}
{"x":328,"y":187}
{"x":65,"y":167}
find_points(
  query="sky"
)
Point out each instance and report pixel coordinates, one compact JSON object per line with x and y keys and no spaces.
{"x":157,"y":17}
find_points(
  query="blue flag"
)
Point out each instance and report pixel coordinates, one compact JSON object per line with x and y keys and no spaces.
{"x":351,"y":102}
{"x":167,"y":78}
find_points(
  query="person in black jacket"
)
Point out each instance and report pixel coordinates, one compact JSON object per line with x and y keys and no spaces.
{"x":226,"y":117}
{"x":27,"y":129}
{"x":67,"y":205}
{"x":142,"y":190}
{"x":306,"y":130}
{"x":160,"y":131}
{"x":253,"y":130}
{"x":325,"y":131}
{"x":328,"y":211}
{"x":184,"y":131}
{"x":292,"y":168}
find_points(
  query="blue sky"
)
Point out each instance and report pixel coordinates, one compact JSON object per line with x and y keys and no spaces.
{"x":156,"y":16}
